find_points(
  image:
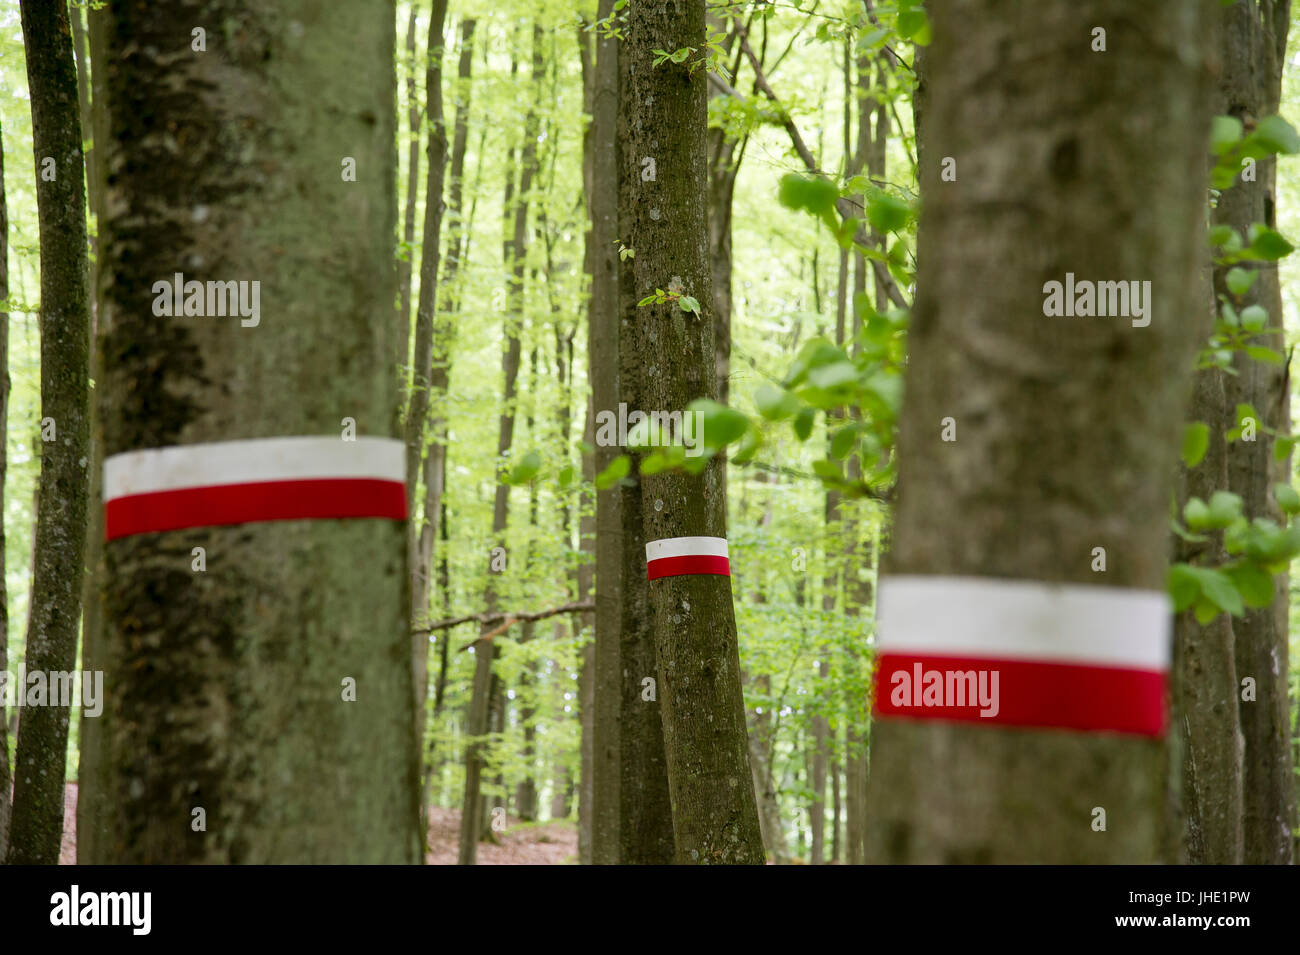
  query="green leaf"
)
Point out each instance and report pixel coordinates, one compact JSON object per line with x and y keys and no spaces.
{"x":887,"y":214}
{"x":813,"y":194}
{"x":1221,"y":235}
{"x":617,"y":470}
{"x":1196,"y":514}
{"x":1265,"y":354}
{"x":828,"y":377}
{"x":1225,"y":132}
{"x":689,"y":304}
{"x":717,"y":424}
{"x":827,"y":470}
{"x":914,"y":25}
{"x":1276,"y":135}
{"x":1239,"y":280}
{"x":648,"y":300}
{"x":1287,"y":498}
{"x":842,"y":441}
{"x":1205,"y":610}
{"x":1218,"y":588}
{"x":775,"y":404}
{"x":1196,"y":441}
{"x":1254,"y":318}
{"x":565,"y":476}
{"x":526,"y":469}
{"x":1283,"y":447}
{"x":1224,"y":508}
{"x":1184,"y":587}
{"x":1253,"y":583}
{"x":1267,"y":244}
{"x":803,"y":424}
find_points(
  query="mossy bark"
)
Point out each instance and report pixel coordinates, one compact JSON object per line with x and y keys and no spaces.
{"x":41,"y":753}
{"x":663,"y":115}
{"x":225,"y":687}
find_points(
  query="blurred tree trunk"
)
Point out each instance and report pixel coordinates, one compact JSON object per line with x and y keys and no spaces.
{"x":36,"y":826}
{"x":5,"y":779}
{"x":413,"y":113}
{"x":1254,"y":36}
{"x":1034,"y":397}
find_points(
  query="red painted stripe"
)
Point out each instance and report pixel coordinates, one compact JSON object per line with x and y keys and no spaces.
{"x":688,"y":564}
{"x":320,"y":498}
{"x":1038,"y":694}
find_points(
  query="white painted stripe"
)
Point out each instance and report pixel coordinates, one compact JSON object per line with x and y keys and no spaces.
{"x":1024,"y":620}
{"x":247,"y":462}
{"x":686,"y":547}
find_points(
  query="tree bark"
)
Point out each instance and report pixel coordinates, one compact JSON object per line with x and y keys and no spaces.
{"x":5,"y":779}
{"x":226,"y":686}
{"x":41,"y":752}
{"x":603,"y":350}
{"x":663,"y":115}
{"x":418,"y":462}
{"x":1057,"y":172}
{"x":1253,"y":53}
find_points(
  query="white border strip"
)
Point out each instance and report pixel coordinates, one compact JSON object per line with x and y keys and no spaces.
{"x":255,"y":461}
{"x":1024,"y":620}
{"x":686,"y":547}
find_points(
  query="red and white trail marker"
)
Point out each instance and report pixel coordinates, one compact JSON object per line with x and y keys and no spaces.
{"x":676,"y":556}
{"x":264,"y":479}
{"x":1031,"y":653}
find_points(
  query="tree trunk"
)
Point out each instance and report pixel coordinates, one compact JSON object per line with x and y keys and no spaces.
{"x":691,"y":617}
{"x":602,"y":146}
{"x":232,"y":688}
{"x":41,"y":752}
{"x":514,"y":255}
{"x":1253,"y":53}
{"x":1035,"y":399}
{"x":412,"y":193}
{"x":5,"y":779}
{"x":418,"y":463}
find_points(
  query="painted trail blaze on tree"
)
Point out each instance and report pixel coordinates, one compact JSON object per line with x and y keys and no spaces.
{"x":269,"y":479}
{"x":679,"y":556}
{"x":1020,"y":653}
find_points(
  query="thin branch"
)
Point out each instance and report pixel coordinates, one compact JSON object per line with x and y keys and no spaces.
{"x":509,"y":619}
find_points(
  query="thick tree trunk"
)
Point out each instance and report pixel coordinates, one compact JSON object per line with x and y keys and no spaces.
{"x":229,"y":688}
{"x":663,"y":116}
{"x":5,"y":779}
{"x":1060,"y":173}
{"x":1253,"y":53}
{"x":41,"y":752}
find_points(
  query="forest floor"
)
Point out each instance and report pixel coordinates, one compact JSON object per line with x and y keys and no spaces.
{"x":552,"y":843}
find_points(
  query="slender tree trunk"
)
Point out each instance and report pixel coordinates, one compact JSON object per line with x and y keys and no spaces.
{"x":418,"y":463}
{"x":94,"y":810}
{"x":412,"y":194}
{"x":230,"y":689}
{"x":1253,"y":53}
{"x":1034,"y":397}
{"x":41,"y":752}
{"x":603,"y":349}
{"x":487,"y":688}
{"x":663,"y":115}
